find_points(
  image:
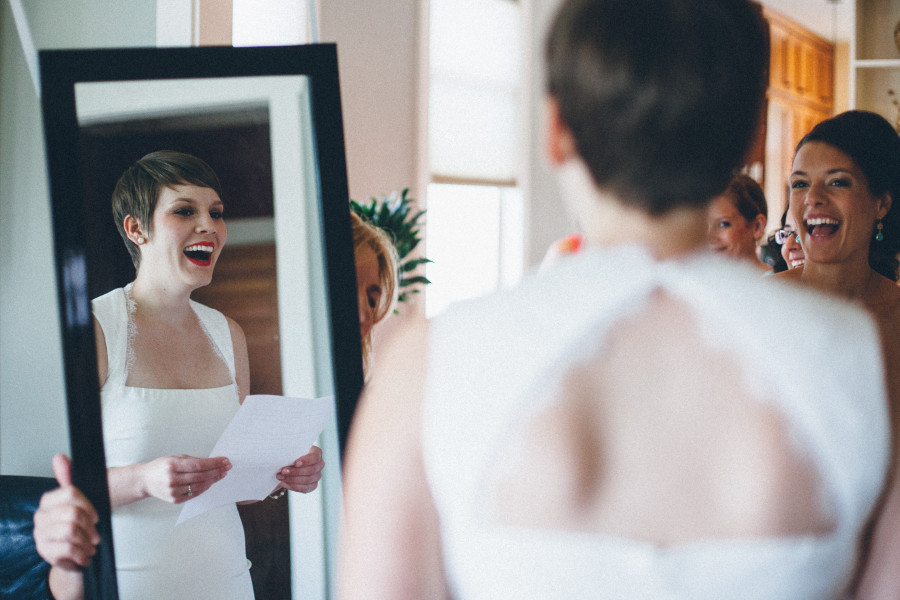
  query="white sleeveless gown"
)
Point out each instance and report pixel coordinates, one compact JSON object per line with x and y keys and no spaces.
{"x":203,"y":557}
{"x":488,"y":359}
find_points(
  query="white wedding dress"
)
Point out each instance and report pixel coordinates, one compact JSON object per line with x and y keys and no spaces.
{"x":203,"y":557}
{"x":490,"y":359}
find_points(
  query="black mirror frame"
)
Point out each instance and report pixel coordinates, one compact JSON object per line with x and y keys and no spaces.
{"x":60,"y":71}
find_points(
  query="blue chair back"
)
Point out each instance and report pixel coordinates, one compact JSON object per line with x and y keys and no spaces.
{"x":23,"y":573}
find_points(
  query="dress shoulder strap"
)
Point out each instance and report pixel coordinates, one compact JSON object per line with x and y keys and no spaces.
{"x":216,"y":327}
{"x":111,"y":311}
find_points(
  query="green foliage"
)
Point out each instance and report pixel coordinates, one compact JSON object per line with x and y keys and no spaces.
{"x":396,"y":214}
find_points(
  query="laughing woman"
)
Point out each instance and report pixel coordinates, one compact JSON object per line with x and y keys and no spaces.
{"x":737,"y":221}
{"x":788,"y":239}
{"x":172,"y":373}
{"x":844,"y":186}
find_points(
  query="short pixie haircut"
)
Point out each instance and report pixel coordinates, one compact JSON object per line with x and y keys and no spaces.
{"x":874,"y":146}
{"x":662,"y":96}
{"x":137,"y":190}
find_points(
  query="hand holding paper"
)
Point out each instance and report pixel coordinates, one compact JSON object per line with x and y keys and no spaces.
{"x":304,"y":474}
{"x":267,"y":433}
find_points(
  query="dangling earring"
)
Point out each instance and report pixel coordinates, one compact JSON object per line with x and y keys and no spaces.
{"x":140,"y":240}
{"x":879,"y":233}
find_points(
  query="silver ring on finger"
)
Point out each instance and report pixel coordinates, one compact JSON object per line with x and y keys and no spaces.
{"x":190,"y":491}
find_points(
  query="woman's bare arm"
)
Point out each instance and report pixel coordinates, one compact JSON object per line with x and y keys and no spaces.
{"x":390,"y":541}
{"x":65,"y":533}
{"x":880,"y":577}
{"x":102,"y":358}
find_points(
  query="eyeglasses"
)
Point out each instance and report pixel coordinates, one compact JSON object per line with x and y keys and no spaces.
{"x":783,"y":235}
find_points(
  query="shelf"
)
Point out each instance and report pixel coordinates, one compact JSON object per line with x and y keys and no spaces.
{"x":878,"y":63}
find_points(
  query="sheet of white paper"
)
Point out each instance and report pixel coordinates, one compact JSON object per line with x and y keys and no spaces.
{"x":266,"y":433}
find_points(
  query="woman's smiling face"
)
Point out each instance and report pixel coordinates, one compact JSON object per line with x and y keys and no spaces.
{"x":187,"y":236}
{"x":791,"y":250}
{"x":831,"y":205}
{"x":729,"y":232}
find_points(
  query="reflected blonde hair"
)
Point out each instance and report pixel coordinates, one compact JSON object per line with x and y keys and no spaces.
{"x":368,"y":235}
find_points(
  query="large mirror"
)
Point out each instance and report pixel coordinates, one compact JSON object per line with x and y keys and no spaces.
{"x":268,"y":121}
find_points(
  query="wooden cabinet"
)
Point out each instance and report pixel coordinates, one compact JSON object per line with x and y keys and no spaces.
{"x":801,"y":94}
{"x":802,"y":63}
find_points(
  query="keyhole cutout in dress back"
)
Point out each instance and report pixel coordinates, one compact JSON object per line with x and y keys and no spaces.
{"x":657,"y":437}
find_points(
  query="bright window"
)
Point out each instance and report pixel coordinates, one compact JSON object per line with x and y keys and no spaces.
{"x":270,"y":23}
{"x":475,"y":65}
{"x":475,"y":241}
{"x":475,"y":219}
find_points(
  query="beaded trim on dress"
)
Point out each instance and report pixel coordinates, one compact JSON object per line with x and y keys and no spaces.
{"x":131,"y":308}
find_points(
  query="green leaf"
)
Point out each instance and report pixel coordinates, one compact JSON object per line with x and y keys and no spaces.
{"x":398,"y":215}
{"x":413,"y":263}
{"x":419,"y":279}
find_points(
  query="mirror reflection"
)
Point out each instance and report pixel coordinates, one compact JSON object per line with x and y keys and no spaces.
{"x":172,"y":372}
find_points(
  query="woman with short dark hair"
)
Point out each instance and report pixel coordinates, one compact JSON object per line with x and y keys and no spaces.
{"x":618,"y":426}
{"x":172,"y":375}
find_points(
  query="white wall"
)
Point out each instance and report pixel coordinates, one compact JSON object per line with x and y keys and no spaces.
{"x":378,"y":62}
{"x":379,"y":48}
{"x":545,"y":216}
{"x":32,"y":402}
{"x":378,"y":52}
{"x":31,"y":386}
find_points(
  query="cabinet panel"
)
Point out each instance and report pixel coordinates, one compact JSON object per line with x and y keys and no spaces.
{"x":801,"y":94}
{"x":805,"y":70}
{"x":781,"y":61}
{"x":787,"y":123}
{"x":825,"y":77}
{"x":779,"y":154}
{"x":801,"y":64}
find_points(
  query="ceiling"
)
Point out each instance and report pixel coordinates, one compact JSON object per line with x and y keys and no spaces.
{"x":830,"y":19}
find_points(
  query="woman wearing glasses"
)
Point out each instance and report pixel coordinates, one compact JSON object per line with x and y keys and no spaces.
{"x":788,"y":239}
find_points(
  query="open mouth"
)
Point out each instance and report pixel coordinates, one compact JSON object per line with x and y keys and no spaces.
{"x":821,"y":227}
{"x":200,"y":254}
{"x":795,"y":257}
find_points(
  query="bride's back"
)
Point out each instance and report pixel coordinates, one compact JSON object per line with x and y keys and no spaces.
{"x":660,"y":436}
{"x":660,"y":424}
{"x":642,"y":420}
